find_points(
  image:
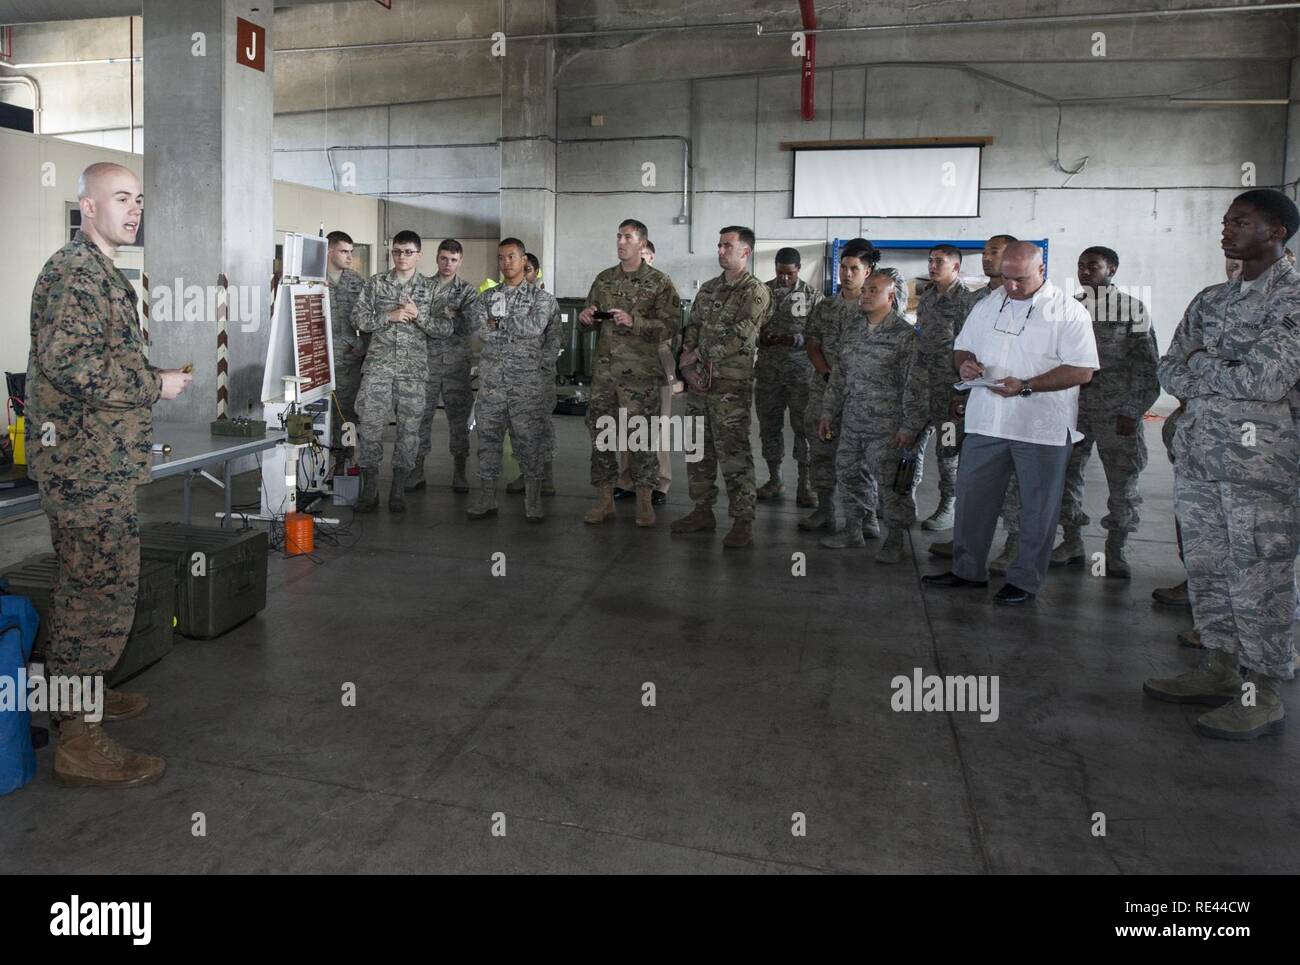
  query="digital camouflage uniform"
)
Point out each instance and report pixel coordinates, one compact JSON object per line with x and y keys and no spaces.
{"x":396,"y":368}
{"x":873,"y":392}
{"x":1237,"y":463}
{"x":1126,"y":384}
{"x":450,"y":358}
{"x":513,"y":329}
{"x":552,"y":341}
{"x":349,"y":350}
{"x":782,"y":372}
{"x":825,"y":322}
{"x":90,"y":393}
{"x":940,"y":316}
{"x":628,"y":371}
{"x":723,"y":329}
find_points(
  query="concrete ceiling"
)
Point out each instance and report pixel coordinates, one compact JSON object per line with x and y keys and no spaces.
{"x":25,"y":11}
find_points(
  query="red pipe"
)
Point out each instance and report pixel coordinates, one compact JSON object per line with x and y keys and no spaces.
{"x":809,"y":61}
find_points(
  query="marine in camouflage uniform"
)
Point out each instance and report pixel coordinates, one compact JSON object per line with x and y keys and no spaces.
{"x":1235,"y":361}
{"x":874,"y":392}
{"x":627,"y":375}
{"x":450,"y":358}
{"x":723,"y":329}
{"x":828,"y":318}
{"x":349,"y":350}
{"x":781,"y":377}
{"x":1125,"y":386}
{"x":394,"y":376}
{"x":940,"y":315}
{"x":513,"y":324}
{"x":89,"y":419}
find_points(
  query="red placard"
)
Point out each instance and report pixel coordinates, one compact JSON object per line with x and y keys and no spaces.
{"x":250,"y":44}
{"x":312,"y":341}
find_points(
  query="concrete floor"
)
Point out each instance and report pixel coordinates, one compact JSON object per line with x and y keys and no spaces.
{"x":521,"y":695}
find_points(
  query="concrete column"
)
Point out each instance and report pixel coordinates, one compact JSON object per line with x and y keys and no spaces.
{"x":208,"y":195}
{"x":528,"y":131}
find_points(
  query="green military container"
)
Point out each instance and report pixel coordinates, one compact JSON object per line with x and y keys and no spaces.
{"x":151,"y":633}
{"x":220,"y":574}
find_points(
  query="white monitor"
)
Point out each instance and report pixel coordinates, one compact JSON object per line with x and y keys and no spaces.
{"x":305,"y":257}
{"x":887,"y":182}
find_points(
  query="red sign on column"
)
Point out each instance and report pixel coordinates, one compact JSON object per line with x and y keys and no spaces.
{"x":250,"y":44}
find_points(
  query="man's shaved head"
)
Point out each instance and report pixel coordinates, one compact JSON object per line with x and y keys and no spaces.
{"x":94,"y":178}
{"x":112,"y":204}
{"x":1022,"y":269}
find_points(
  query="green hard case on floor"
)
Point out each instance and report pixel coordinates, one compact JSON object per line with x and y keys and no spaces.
{"x":151,"y":633}
{"x":218,"y":591}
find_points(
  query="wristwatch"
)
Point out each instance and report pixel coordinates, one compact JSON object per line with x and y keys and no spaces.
{"x":1025,"y":389}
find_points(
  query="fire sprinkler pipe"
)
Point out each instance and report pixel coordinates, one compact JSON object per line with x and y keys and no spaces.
{"x":807,"y":87}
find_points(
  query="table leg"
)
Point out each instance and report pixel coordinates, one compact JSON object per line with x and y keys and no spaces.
{"x":225,"y":478}
{"x":185,"y":503}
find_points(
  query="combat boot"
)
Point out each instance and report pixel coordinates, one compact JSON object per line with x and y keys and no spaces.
{"x":1172,"y":595}
{"x":999,"y":566}
{"x":891,"y":551}
{"x":533,"y":500}
{"x":870,"y":525}
{"x":1236,"y":721}
{"x":486,"y":504}
{"x":368,"y":501}
{"x":698,"y":520}
{"x":87,"y":757}
{"x":1215,"y":681}
{"x":742,"y":533}
{"x":548,"y":478}
{"x":774,"y":488}
{"x":942,"y":550}
{"x":396,"y":501}
{"x":459,"y":484}
{"x":1116,"y":564}
{"x":849,"y":537}
{"x":805,"y":496}
{"x":120,"y":706}
{"x":415,"y":479}
{"x":824,"y":517}
{"x":1069,"y":552}
{"x":515,"y":486}
{"x":645,"y":510}
{"x":942,"y":518}
{"x":1191,"y":638}
{"x":604,"y":508}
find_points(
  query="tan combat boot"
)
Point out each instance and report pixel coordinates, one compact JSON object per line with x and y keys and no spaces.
{"x":1215,"y":681}
{"x":604,"y":508}
{"x":645,"y":511}
{"x":1000,"y":565}
{"x":87,"y":757}
{"x":1248,"y":715}
{"x":120,"y":706}
{"x":459,"y":484}
{"x":1070,"y":551}
{"x":742,"y":534}
{"x":697,"y":520}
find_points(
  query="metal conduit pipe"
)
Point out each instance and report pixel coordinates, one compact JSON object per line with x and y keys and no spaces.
{"x":23,"y":80}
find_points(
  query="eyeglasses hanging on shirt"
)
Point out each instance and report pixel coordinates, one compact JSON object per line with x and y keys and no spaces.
{"x":1006,"y":322}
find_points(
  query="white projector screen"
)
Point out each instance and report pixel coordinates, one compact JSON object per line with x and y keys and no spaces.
{"x":887,"y":182}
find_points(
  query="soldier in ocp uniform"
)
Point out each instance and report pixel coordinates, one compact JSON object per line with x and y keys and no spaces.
{"x":512,"y":319}
{"x":781,"y":376}
{"x":394,"y":308}
{"x":821,"y":340}
{"x":349,"y":344}
{"x":940,"y":311}
{"x":1235,"y":361}
{"x":643,"y":310}
{"x":451,"y":314}
{"x":721,"y":336}
{"x":552,"y":339}
{"x":882,"y":409}
{"x":1111,"y":408}
{"x":90,"y":393}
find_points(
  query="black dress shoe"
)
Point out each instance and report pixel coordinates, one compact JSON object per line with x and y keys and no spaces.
{"x":950,"y":580}
{"x":657,"y":498}
{"x":1012,"y":595}
{"x":620,"y":493}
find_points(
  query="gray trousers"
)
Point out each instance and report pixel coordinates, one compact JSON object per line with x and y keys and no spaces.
{"x":982,"y":477}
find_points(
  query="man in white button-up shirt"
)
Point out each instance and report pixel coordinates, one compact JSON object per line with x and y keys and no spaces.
{"x":1031,"y":347}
